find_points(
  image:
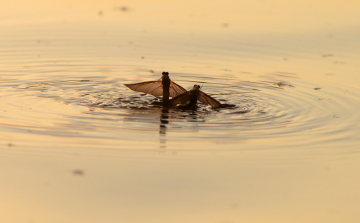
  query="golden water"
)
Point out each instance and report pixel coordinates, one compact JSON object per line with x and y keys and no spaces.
{"x":78,"y":146}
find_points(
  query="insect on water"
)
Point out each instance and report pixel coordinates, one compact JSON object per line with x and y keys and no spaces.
{"x":162,"y":87}
{"x":191,"y":97}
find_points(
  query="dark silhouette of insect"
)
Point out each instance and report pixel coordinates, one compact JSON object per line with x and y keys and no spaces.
{"x":191,"y":97}
{"x":162,"y":87}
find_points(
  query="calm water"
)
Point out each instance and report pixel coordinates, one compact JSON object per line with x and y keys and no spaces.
{"x":78,"y":146}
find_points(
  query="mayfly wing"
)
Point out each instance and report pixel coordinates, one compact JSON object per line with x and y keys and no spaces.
{"x":148,"y":87}
{"x":208,"y":100}
{"x":176,"y":89}
{"x":180,"y":99}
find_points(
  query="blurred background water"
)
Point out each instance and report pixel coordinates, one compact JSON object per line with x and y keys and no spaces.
{"x":78,"y":146}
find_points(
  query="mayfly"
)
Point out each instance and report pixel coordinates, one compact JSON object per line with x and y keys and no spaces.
{"x":162,"y":87}
{"x":191,"y":97}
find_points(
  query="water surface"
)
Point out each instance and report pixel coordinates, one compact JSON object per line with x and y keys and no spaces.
{"x":78,"y":146}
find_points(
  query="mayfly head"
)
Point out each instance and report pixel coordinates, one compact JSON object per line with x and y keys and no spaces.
{"x":196,"y":87}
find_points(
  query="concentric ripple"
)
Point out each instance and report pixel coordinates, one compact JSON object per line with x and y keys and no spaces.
{"x":269,"y":106}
